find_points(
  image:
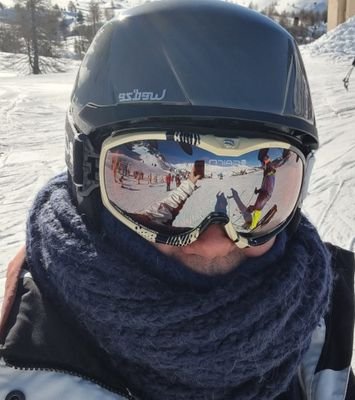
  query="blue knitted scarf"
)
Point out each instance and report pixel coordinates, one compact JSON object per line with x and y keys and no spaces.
{"x":173,"y":333}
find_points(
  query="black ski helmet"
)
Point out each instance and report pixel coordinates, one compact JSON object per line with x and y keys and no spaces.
{"x":195,"y":62}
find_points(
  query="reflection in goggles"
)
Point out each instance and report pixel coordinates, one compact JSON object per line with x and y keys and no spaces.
{"x":171,"y":187}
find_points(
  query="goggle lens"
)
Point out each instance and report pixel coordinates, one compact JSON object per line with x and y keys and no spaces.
{"x":173,"y":187}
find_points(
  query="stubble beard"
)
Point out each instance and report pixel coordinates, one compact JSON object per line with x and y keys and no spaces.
{"x":208,"y":266}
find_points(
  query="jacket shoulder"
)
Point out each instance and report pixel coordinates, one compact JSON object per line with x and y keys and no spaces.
{"x":42,"y":336}
{"x":338,"y":347}
{"x":343,"y":261}
{"x":336,"y":355}
{"x":325,"y":372}
{"x":36,"y":384}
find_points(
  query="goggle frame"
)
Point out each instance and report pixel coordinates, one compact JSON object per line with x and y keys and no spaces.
{"x":219,"y":145}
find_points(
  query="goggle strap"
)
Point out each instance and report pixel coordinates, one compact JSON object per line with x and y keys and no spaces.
{"x":233,"y":235}
{"x":86,"y":166}
{"x":309,"y":164}
{"x":82,"y":159}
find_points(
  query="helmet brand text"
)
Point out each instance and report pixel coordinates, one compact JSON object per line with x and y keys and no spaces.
{"x":227,"y":163}
{"x":137,"y":95}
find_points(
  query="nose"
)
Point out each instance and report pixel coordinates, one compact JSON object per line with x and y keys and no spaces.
{"x":213,"y":242}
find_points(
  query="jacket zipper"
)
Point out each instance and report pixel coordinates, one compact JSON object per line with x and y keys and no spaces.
{"x":126,"y":393}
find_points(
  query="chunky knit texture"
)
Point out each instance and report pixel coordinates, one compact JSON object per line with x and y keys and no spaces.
{"x":173,"y":333}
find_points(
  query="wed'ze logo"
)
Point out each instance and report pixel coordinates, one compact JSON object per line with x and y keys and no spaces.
{"x":137,"y":95}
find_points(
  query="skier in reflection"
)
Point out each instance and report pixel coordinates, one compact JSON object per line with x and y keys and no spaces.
{"x":267,"y":185}
{"x":168,"y":180}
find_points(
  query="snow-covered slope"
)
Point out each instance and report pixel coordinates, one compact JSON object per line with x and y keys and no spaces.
{"x":17,"y":64}
{"x":32,"y":114}
{"x":339,"y":43}
{"x":332,"y":189}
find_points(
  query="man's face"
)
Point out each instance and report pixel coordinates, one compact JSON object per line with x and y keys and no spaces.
{"x":213,"y":252}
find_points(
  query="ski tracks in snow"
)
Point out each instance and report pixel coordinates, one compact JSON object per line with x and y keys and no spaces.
{"x":32,"y":114}
{"x":332,"y":189}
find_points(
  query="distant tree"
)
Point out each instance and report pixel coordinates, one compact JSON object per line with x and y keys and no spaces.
{"x":80,"y":17}
{"x":284,"y":20}
{"x":84,"y":35}
{"x":94,"y":16}
{"x":2,"y":7}
{"x":10,"y":40}
{"x":38,"y":28}
{"x":63,"y":28}
{"x":299,"y":32}
{"x":109,"y":13}
{"x":71,"y":7}
{"x":50,"y":40}
{"x":310,"y":17}
{"x":253,"y":6}
{"x":81,"y":44}
{"x":270,"y":10}
{"x":27,"y":13}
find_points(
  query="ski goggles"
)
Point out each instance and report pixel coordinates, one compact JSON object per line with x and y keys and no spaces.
{"x":169,"y":186}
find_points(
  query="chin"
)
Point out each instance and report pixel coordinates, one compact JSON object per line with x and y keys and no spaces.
{"x":215,"y":266}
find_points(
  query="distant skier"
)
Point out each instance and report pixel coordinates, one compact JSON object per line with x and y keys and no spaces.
{"x":114,"y":165}
{"x":178,"y":180}
{"x":347,"y":76}
{"x":168,"y":182}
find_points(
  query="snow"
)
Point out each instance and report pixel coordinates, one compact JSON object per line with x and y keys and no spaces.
{"x":282,"y":5}
{"x":288,"y":5}
{"x":32,"y":113}
{"x":12,"y":65}
{"x":339,"y":43}
{"x":332,"y":190}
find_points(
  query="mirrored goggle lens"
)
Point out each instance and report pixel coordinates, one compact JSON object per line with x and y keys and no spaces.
{"x":172,"y":187}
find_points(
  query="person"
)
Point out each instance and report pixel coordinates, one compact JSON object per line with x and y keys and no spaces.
{"x":165,"y":211}
{"x":346,"y":80}
{"x":100,"y":306}
{"x":168,"y":180}
{"x":177,"y":180}
{"x":267,"y":186}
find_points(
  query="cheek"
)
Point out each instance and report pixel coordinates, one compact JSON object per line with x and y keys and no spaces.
{"x":165,"y":248}
{"x":258,"y":251}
